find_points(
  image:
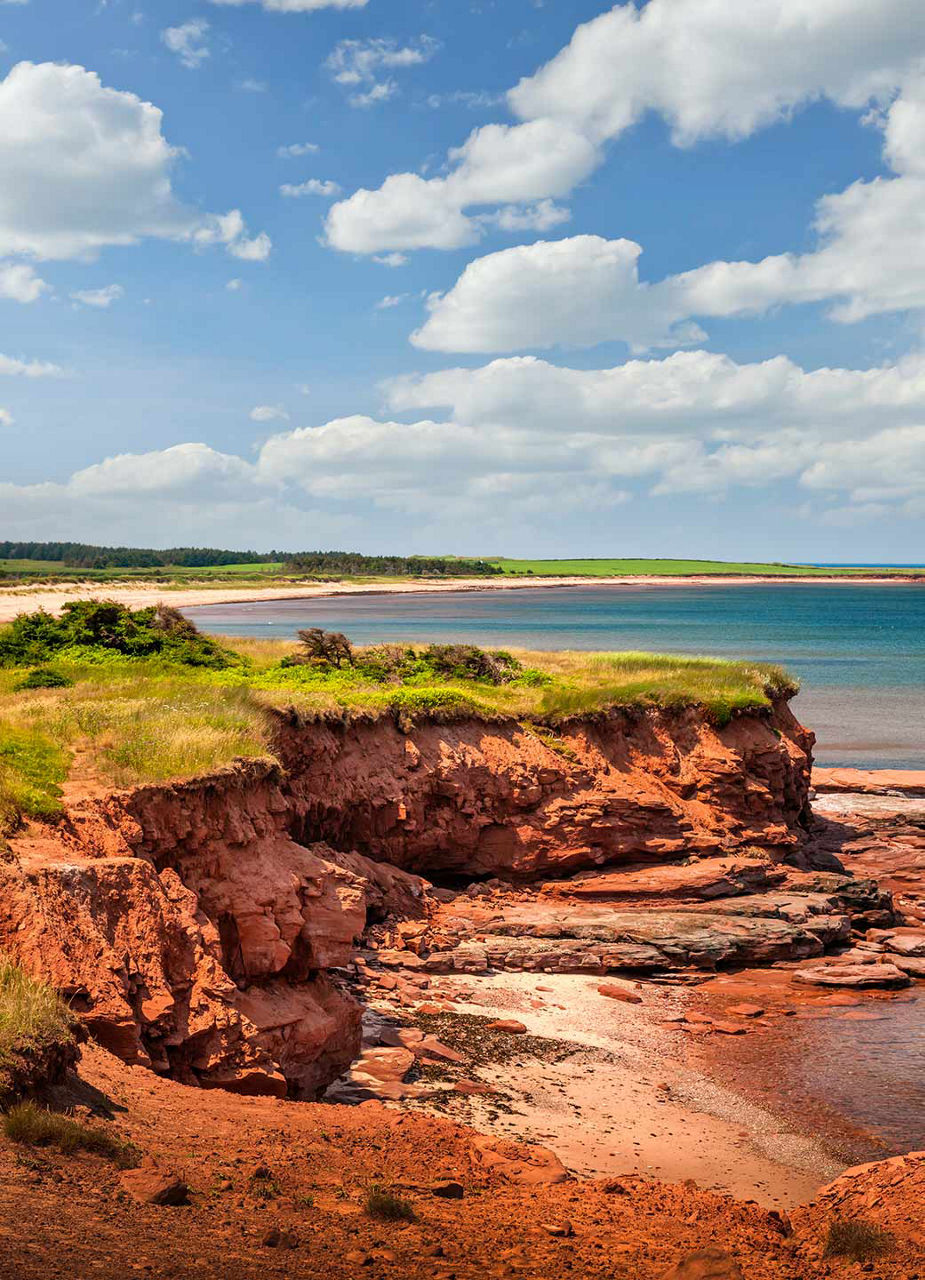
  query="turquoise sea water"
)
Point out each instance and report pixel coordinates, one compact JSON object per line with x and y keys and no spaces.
{"x":858,"y":650}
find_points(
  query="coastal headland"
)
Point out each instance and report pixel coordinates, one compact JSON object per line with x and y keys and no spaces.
{"x":485,"y":942}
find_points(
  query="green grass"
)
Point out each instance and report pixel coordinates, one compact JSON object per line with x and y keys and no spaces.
{"x":131,"y":720}
{"x":32,"y":1126}
{"x":606,"y":568}
{"x":34,"y":1021}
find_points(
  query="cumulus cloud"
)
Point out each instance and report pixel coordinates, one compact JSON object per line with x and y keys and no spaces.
{"x":710,"y":70}
{"x":498,"y":447}
{"x":584,"y":290}
{"x":313,"y":187}
{"x":498,"y":164}
{"x":99,"y":298}
{"x":690,"y":393}
{"x":83,"y":167}
{"x":359,"y":64}
{"x":189,"y":42}
{"x":6,"y":418}
{"x":19,"y":282}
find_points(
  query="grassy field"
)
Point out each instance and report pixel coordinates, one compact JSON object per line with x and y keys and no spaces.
{"x":46,"y":572}
{"x":140,"y":719}
{"x":688,"y":568}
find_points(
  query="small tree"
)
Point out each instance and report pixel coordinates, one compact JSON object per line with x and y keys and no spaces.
{"x":330,"y":647}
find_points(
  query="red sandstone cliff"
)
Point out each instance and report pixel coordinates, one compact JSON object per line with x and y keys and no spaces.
{"x":194,"y":924}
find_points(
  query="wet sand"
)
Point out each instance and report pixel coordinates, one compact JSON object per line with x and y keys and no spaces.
{"x":14,"y":600}
{"x":629,"y":1101}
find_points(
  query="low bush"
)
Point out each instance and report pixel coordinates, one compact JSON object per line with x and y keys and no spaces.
{"x":383,"y":1204}
{"x":159,"y":630}
{"x":44,"y":678}
{"x":857,"y":1239}
{"x":33,"y":1126}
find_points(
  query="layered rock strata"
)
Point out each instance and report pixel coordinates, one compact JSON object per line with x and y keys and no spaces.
{"x":197,"y":925}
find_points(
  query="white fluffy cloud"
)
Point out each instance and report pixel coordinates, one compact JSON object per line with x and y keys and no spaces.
{"x":696,"y":394}
{"x":6,"y":418}
{"x":83,"y":167}
{"x":189,"y":42}
{"x":19,"y":282}
{"x":712,"y":69}
{"x":708,"y":68}
{"x":584,"y":290}
{"x":497,"y":164}
{"x":519,"y":437}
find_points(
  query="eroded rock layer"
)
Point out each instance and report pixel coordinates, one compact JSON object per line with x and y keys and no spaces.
{"x":480,"y":798}
{"x":196,"y":925}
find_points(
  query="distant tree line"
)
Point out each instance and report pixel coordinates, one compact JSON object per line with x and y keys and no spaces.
{"x":78,"y":555}
{"x":351,"y":562}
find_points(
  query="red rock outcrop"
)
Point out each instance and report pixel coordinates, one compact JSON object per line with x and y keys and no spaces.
{"x":195,"y":924}
{"x":502,"y":798}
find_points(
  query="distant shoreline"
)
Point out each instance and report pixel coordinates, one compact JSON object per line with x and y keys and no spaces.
{"x":14,"y":600}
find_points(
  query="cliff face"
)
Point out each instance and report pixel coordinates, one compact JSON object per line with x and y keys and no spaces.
{"x":489,"y":798}
{"x":195,"y":924}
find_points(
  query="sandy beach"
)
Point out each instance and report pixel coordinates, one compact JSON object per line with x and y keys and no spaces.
{"x":628,"y":1100}
{"x":14,"y":600}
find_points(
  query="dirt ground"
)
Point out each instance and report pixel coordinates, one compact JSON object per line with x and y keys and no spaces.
{"x":303,"y":1214}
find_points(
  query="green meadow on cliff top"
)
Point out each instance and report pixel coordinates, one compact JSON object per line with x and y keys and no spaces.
{"x":142,"y":696}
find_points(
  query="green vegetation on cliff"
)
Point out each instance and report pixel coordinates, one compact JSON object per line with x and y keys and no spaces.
{"x":36,"y":1027}
{"x":142,"y":696}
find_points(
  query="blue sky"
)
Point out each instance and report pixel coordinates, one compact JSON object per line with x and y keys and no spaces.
{"x":664,"y":298}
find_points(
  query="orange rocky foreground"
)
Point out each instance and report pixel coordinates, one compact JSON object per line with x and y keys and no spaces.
{"x":243,"y":932}
{"x":276,"y":1188}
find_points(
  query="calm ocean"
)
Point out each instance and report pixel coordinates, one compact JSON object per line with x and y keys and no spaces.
{"x":858,"y":650}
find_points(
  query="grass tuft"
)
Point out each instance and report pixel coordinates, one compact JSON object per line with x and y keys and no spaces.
{"x":35,"y":1024}
{"x":857,"y":1239}
{"x":33,"y":1126}
{"x":383,"y":1204}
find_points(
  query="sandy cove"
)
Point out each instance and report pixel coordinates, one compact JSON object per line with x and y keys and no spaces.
{"x":14,"y":600}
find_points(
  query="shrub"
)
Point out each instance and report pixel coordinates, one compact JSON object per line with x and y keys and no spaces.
{"x":328,"y":648}
{"x":33,"y":1126}
{"x":43,"y":678}
{"x":857,"y":1239}
{"x":468,"y":662}
{"x":34,"y":638}
{"x":388,"y":1207}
